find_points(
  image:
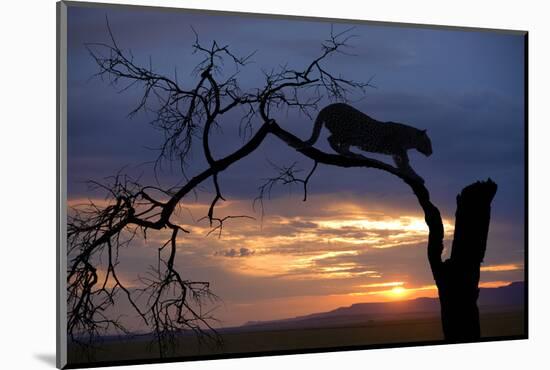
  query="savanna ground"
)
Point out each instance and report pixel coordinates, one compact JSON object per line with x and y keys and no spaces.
{"x":359,"y":333}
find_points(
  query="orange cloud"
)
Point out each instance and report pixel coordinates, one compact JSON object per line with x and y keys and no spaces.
{"x":324,"y":238}
{"x":494,"y":284}
{"x":382,"y":285}
{"x":499,"y":268}
{"x":300,"y":257}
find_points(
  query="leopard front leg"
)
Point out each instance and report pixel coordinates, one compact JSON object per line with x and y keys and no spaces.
{"x":402,"y":162}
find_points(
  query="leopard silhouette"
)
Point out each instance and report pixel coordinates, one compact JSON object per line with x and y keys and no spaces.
{"x":350,"y":127}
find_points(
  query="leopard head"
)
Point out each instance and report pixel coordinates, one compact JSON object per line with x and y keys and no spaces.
{"x":423,"y":143}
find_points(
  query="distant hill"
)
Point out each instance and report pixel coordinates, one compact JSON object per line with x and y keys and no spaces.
{"x":506,"y":300}
{"x":510,"y":297}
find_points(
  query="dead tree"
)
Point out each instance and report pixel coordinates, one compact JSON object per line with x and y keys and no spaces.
{"x":458,"y":277}
{"x":186,"y":113}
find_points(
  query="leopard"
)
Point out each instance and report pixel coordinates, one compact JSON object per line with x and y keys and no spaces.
{"x":349,"y":127}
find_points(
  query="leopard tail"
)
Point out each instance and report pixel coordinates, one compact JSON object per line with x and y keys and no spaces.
{"x":318,"y":125}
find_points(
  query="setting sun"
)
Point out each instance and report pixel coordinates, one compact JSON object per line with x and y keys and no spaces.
{"x":398,"y":291}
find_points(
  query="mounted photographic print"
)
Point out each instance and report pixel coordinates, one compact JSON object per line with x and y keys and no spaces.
{"x":237,"y":185}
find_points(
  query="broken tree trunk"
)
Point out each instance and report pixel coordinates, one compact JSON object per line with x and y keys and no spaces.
{"x":457,"y":278}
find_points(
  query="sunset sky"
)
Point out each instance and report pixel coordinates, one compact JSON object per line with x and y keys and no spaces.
{"x":360,"y":237}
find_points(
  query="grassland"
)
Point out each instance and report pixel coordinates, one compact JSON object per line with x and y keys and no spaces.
{"x":356,"y":333}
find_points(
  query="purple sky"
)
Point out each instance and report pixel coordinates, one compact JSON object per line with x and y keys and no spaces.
{"x":465,"y":87}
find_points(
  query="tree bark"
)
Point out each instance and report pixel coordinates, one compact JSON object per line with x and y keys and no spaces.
{"x":458,"y":278}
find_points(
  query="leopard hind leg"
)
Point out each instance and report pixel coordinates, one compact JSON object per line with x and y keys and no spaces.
{"x":341,"y":147}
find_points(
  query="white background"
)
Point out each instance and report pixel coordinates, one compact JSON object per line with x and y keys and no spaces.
{"x":27,"y":185}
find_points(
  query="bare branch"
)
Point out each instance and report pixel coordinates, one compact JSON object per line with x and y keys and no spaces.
{"x":184,"y":108}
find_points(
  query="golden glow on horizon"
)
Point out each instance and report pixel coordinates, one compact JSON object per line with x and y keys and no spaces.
{"x":499,"y":268}
{"x":330,"y":252}
{"x":329,"y":239}
{"x":398,"y":291}
{"x":382,"y":285}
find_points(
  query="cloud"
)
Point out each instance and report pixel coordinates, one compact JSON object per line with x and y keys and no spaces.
{"x":241,"y":252}
{"x":327,"y":238}
{"x":324,"y":239}
{"x":358,"y":226}
{"x":333,"y":258}
{"x":382,"y":285}
{"x":501,"y":268}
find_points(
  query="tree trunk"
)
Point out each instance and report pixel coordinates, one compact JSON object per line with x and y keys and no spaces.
{"x":457,"y":278}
